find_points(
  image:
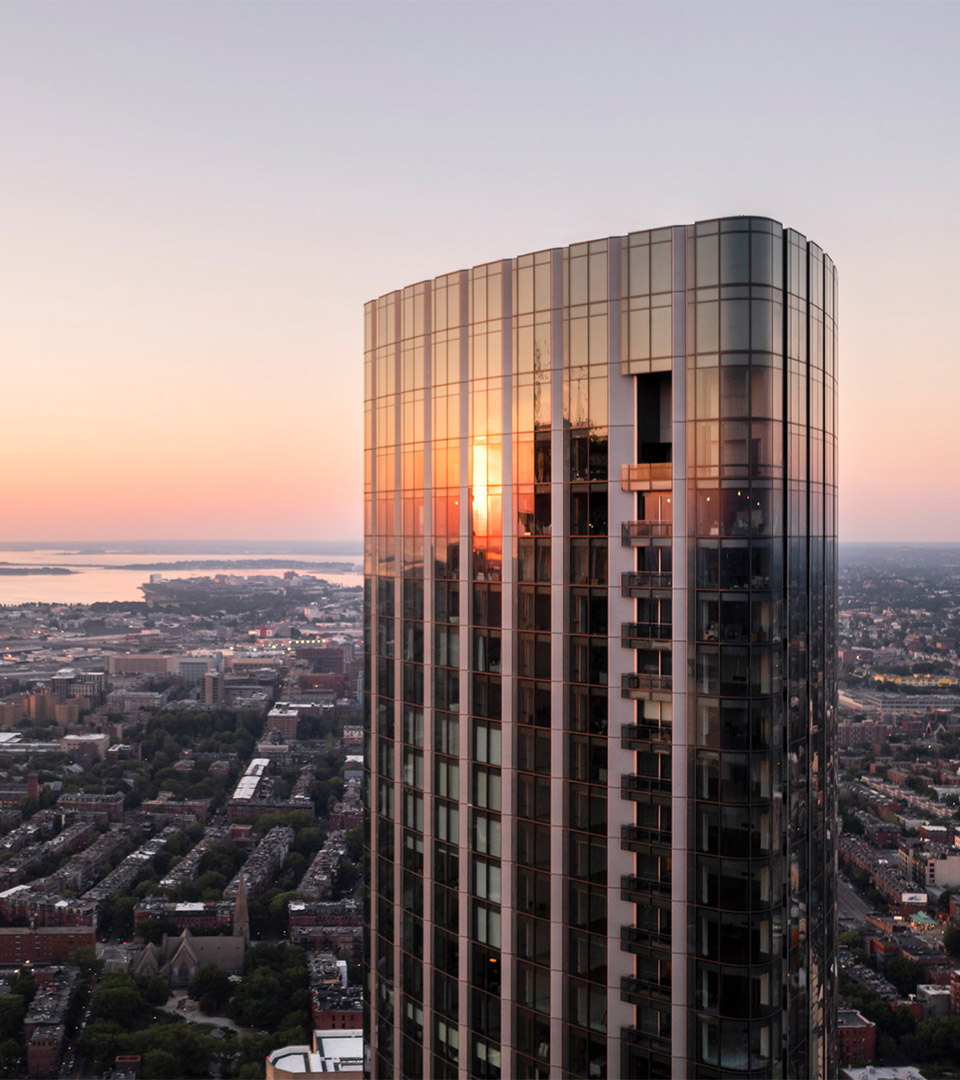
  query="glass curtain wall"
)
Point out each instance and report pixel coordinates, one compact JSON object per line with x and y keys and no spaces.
{"x":498,"y":862}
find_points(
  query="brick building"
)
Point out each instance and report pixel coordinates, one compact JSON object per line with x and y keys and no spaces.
{"x":858,"y":1038}
{"x":109,"y":807}
{"x":43,"y":945}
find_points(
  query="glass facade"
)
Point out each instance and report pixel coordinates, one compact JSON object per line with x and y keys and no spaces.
{"x":600,"y":635}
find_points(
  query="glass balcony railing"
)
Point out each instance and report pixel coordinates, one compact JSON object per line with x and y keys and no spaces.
{"x":635,"y":889}
{"x":635,"y":635}
{"x":644,"y":785}
{"x":634,"y":836}
{"x":642,"y":532}
{"x":637,"y":939}
{"x":636,"y":582}
{"x":637,"y":736}
{"x":637,"y":684}
{"x":642,"y":990}
{"x":642,"y":477}
{"x":658,"y":1041}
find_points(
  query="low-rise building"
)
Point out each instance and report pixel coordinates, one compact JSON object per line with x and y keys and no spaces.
{"x":122,"y":877}
{"x":858,"y":1038}
{"x":930,"y":864}
{"x":102,"y":807}
{"x":20,"y":867}
{"x":89,"y":865}
{"x":165,"y":805}
{"x":90,"y":747}
{"x":199,"y":916}
{"x":265,"y":861}
{"x":44,"y":944}
{"x":44,"y":1028}
{"x":285,"y":720}
{"x":12,"y":794}
{"x":935,"y":999}
{"x":189,"y":865}
{"x":333,"y":1052}
{"x":24,"y":905}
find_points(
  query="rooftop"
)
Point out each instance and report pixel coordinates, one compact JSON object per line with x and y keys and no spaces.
{"x":850,"y":1018}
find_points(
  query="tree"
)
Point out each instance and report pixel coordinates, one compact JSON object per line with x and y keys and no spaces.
{"x":24,"y":984}
{"x":903,"y":973}
{"x":951,"y":940}
{"x":155,"y":990}
{"x":309,"y":841}
{"x":348,"y":875}
{"x":11,"y":1058}
{"x":355,"y":844}
{"x":122,"y":1003}
{"x":117,"y":918}
{"x":85,"y":958}
{"x":211,"y":987}
{"x":160,"y":1065}
{"x":152,"y":930}
{"x":13,"y":1010}
{"x":936,"y":1040}
{"x":100,"y":1043}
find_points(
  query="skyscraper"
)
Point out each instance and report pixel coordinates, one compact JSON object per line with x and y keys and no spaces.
{"x":600,"y":677}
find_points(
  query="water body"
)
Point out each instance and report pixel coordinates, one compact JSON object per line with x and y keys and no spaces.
{"x":100,"y":576}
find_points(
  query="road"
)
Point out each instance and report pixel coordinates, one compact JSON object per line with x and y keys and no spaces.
{"x":850,"y":902}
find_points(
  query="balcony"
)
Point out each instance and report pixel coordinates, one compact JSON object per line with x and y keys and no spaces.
{"x":635,"y":939}
{"x":646,"y":533}
{"x":640,"y":991}
{"x":639,"y":736}
{"x":634,"y":837}
{"x":647,"y":476}
{"x":638,"y":685}
{"x":641,"y":583}
{"x":644,"y":634}
{"x":658,"y":1042}
{"x":638,"y":890}
{"x":631,"y":785}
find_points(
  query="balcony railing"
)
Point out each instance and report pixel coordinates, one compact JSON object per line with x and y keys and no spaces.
{"x":633,"y":735}
{"x":638,"y":685}
{"x":636,"y":939}
{"x":641,"y":533}
{"x":641,"y":990}
{"x":638,"y":582}
{"x":645,"y":785}
{"x":635,"y":889}
{"x":643,"y":477}
{"x":633,"y":635}
{"x":634,"y":836}
{"x":656,"y":1041}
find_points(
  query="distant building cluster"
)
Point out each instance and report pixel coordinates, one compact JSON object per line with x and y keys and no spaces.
{"x":95,"y":808}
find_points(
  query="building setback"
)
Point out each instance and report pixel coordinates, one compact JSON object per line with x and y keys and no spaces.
{"x":600,"y":661}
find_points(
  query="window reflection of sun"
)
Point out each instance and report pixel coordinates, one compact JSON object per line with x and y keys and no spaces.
{"x":487,"y":478}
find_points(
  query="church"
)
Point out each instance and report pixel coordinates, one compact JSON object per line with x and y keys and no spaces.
{"x":176,"y":959}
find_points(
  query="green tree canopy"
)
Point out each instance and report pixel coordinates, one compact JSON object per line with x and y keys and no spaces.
{"x":211,"y":987}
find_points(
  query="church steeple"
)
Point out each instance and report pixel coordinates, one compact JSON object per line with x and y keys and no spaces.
{"x":241,"y":917}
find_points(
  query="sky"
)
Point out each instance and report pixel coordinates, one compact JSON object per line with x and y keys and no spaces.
{"x":197,"y":199}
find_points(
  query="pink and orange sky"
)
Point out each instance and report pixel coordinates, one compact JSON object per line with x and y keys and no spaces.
{"x":198,"y":198}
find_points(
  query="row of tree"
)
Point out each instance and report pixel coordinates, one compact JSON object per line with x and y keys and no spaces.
{"x":272,"y":1002}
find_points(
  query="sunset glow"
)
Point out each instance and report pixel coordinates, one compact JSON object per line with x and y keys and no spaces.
{"x":200,"y":210}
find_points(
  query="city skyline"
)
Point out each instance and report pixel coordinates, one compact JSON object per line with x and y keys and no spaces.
{"x":205,"y":195}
